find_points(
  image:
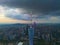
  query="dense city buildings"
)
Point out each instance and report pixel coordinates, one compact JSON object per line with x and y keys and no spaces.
{"x":49,"y":34}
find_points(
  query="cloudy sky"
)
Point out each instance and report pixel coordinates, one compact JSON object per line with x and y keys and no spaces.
{"x":20,"y":11}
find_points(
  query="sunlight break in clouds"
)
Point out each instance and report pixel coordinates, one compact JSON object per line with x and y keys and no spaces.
{"x":6,"y":10}
{"x":44,"y":10}
{"x":19,"y":15}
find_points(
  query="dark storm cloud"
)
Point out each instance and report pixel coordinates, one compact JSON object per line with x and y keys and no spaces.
{"x":19,"y":16}
{"x":36,"y":6}
{"x":55,"y":13}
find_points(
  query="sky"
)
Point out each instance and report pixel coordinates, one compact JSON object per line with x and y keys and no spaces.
{"x":11,"y":15}
{"x":23,"y":11}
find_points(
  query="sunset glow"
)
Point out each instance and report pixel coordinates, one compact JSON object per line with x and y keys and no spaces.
{"x":4,"y":19}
